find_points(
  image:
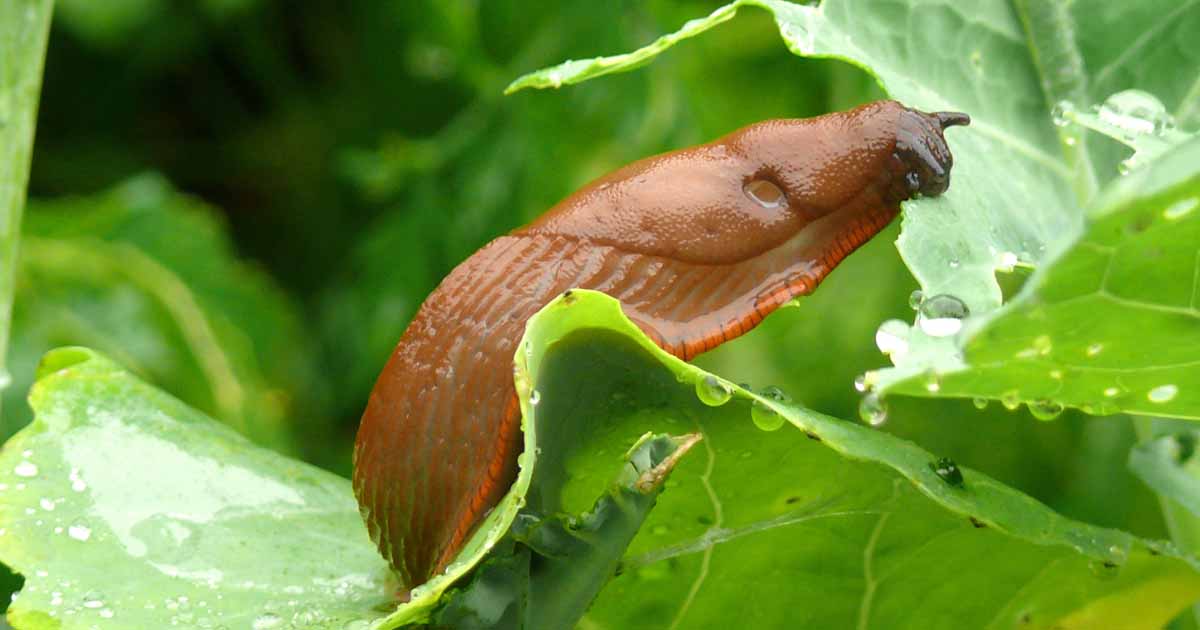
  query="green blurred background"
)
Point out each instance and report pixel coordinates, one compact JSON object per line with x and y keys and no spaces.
{"x":246,"y":200}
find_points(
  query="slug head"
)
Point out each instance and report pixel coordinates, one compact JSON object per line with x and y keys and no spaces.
{"x":760,"y":186}
{"x":922,"y":152}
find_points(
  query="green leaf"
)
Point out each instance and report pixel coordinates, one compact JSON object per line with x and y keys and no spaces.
{"x":24,"y":26}
{"x":820,"y":523}
{"x":124,"y":508}
{"x":1112,"y":324}
{"x":1168,"y":463}
{"x":148,"y":275}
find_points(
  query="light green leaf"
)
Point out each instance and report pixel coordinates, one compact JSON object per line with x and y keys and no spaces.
{"x":24,"y":25}
{"x":1113,"y":324}
{"x":821,"y":523}
{"x":124,"y":508}
{"x":1167,"y":462}
{"x":148,"y":275}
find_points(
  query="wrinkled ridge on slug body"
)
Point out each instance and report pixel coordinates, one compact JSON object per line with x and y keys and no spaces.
{"x":699,"y":245}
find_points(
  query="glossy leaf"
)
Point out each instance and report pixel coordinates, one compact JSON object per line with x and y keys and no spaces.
{"x":24,"y":26}
{"x":124,"y":508}
{"x":825,"y":522}
{"x":1111,"y":325}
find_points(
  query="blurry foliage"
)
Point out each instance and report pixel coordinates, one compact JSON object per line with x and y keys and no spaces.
{"x":148,"y":275}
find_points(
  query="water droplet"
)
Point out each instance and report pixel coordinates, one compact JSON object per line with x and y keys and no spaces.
{"x":915,"y":298}
{"x":765,"y":193}
{"x":535,"y":397}
{"x":25,"y":469}
{"x":79,"y":530}
{"x":980,"y":403}
{"x":1006,"y":261}
{"x":948,"y":471}
{"x":1011,"y":400}
{"x":860,"y":383}
{"x":1070,"y":140}
{"x":712,"y":391}
{"x":1181,"y":208}
{"x":1135,"y":113}
{"x":1045,"y":409}
{"x":1162,"y":393}
{"x":1124,"y":167}
{"x":1043,"y":345}
{"x":1062,"y":113}
{"x":941,"y":315}
{"x":1094,"y":349}
{"x":78,"y":485}
{"x":892,"y":339}
{"x":954,"y":263}
{"x":266,"y":621}
{"x":93,"y":599}
{"x":872,"y":409}
{"x":5,"y":378}
{"x":107,"y":613}
{"x":765,"y":417}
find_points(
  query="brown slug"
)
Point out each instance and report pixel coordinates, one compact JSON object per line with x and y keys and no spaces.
{"x":699,"y":245}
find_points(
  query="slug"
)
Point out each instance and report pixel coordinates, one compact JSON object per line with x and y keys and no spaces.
{"x":698,"y":245}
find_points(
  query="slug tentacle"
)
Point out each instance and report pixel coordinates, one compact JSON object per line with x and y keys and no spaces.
{"x":699,"y":245}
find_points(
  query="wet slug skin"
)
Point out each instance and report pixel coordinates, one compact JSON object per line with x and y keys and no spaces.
{"x":699,"y":245}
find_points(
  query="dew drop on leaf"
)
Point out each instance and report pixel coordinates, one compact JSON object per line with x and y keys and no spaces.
{"x":79,"y":530}
{"x":26,"y":469}
{"x":93,"y":599}
{"x":1135,"y":113}
{"x":1180,"y":209}
{"x":980,"y":403}
{"x":1162,"y":394}
{"x":712,"y":391}
{"x":948,"y":471}
{"x":1062,"y":112}
{"x":915,"y":298}
{"x":892,"y":339}
{"x":765,"y":417}
{"x":941,"y":315}
{"x":1045,"y":409}
{"x":872,"y":409}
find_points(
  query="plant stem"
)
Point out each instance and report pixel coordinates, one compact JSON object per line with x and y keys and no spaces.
{"x":24,"y":29}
